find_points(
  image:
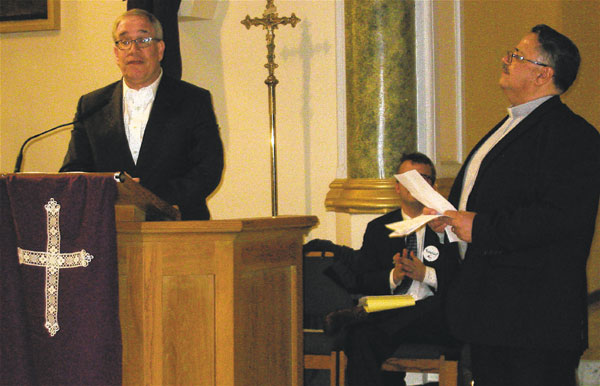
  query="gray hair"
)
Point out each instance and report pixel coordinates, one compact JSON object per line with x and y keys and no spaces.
{"x":142,"y":13}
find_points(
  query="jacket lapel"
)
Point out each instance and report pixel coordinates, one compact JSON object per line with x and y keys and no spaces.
{"x":156,"y":126}
{"x":431,"y":239}
{"x":397,"y":244}
{"x":116,"y":127}
{"x":456,"y":189}
{"x":516,"y":132}
{"x":499,"y":148}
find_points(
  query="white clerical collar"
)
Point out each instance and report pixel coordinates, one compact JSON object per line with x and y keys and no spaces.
{"x":524,"y":109}
{"x":148,"y":90}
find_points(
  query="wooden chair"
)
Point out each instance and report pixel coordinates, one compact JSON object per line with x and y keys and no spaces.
{"x":423,"y":358}
{"x":322,"y":296}
{"x":428,"y":358}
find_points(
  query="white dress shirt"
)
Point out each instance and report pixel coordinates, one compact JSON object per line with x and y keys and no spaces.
{"x":137,"y":105}
{"x":418,"y":290}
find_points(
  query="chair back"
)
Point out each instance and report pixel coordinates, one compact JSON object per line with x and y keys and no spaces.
{"x":321,"y":294}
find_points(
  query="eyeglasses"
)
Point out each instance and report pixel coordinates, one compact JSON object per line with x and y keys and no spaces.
{"x":428,"y":178}
{"x":510,"y":55}
{"x":140,"y":42}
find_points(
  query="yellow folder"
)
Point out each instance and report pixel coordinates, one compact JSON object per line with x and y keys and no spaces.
{"x":385,"y":302}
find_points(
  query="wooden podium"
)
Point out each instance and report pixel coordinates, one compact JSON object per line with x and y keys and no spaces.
{"x":211,"y":302}
{"x":200,"y":302}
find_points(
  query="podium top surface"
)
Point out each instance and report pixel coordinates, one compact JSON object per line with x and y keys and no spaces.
{"x":221,"y":226}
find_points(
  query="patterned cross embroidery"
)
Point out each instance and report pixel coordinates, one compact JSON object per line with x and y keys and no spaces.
{"x":53,"y":261}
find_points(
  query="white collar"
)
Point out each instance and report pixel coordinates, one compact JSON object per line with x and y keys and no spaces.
{"x":144,"y":93}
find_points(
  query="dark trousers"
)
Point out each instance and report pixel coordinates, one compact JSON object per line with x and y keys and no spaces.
{"x":369,"y":343}
{"x":509,"y":366}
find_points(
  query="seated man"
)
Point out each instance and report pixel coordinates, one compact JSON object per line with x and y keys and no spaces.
{"x":384,"y":266}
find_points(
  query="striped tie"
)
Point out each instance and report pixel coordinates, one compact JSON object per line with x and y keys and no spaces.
{"x":411,"y":246}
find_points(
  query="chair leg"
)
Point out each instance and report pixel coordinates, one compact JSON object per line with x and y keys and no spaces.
{"x":343,"y":360}
{"x":333,"y":369}
{"x":448,"y":372}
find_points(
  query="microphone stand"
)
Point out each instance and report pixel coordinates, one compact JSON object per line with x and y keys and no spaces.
{"x":20,"y":156}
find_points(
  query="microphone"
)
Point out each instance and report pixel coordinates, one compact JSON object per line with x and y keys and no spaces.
{"x":84,"y":116}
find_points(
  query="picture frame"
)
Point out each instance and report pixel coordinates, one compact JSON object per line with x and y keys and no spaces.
{"x":32,"y":15}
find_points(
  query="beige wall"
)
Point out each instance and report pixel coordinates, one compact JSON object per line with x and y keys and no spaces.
{"x":44,"y":73}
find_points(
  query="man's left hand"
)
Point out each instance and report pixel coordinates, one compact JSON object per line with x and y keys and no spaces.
{"x":413,"y":268}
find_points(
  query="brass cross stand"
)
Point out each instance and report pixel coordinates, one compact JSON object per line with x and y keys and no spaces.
{"x":270,"y":21}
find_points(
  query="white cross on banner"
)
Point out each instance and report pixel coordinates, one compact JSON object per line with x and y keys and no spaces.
{"x":53,"y":261}
{"x":65,"y":333}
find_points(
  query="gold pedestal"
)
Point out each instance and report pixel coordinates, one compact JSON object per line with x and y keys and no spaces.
{"x":370,"y":195}
{"x":362,"y":195}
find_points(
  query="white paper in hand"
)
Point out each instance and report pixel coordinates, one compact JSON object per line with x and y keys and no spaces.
{"x":422,"y":191}
{"x":403,"y":228}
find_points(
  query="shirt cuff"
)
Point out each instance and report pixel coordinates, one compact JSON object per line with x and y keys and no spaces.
{"x":392,"y":285}
{"x":430,"y":277}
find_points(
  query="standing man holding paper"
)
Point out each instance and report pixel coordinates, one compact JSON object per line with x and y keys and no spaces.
{"x":385,"y":266}
{"x":527,"y":197}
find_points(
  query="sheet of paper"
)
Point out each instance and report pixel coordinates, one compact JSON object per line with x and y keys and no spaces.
{"x":422,"y":191}
{"x":403,"y":228}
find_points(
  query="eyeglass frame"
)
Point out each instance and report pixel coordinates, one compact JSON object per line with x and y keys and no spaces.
{"x":510,"y":55}
{"x":140,"y":42}
{"x":427,"y":177}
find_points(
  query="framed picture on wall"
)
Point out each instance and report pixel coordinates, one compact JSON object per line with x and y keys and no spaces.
{"x":29,"y":15}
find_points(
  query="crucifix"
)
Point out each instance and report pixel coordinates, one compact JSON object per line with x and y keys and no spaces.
{"x":270,"y":21}
{"x":53,"y":261}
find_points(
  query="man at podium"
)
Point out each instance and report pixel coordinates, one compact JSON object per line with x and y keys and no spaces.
{"x":160,"y":130}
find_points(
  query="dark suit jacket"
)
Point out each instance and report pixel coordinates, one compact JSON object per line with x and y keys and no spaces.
{"x":181,"y":157}
{"x":374,"y":266}
{"x":378,"y":249}
{"x":523,"y":280}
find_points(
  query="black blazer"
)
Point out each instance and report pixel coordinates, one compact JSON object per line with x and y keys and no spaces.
{"x":523,"y":280}
{"x":181,"y":157}
{"x":378,"y":249}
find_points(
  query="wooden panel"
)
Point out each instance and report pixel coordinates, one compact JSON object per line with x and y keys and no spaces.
{"x":188,"y":330}
{"x":260,"y":250}
{"x":130,"y":335}
{"x":212,"y":302}
{"x":129,"y":313}
{"x":263,"y":330}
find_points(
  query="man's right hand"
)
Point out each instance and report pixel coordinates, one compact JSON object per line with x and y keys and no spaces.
{"x":438,"y":224}
{"x":398,"y":272}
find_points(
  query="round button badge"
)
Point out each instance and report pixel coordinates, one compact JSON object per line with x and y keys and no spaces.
{"x":431,"y":253}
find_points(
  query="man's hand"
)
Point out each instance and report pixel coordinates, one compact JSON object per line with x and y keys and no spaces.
{"x":398,"y":272}
{"x":438,"y":224}
{"x":408,"y":267}
{"x":462,"y":223}
{"x":136,"y":179}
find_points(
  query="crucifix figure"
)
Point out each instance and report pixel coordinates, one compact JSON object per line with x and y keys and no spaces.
{"x":53,"y":261}
{"x":270,"y":21}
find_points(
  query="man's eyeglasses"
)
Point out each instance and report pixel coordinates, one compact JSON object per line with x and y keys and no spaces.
{"x":140,"y":42}
{"x":510,"y":55}
{"x":427,"y":178}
